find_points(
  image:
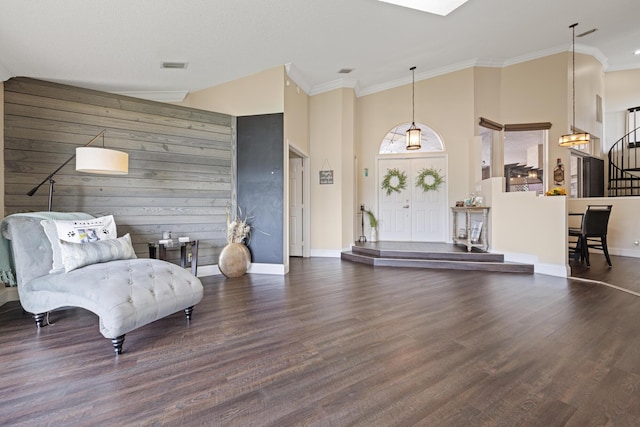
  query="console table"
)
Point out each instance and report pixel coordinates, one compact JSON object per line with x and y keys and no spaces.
{"x":158,"y":250}
{"x":476,"y":227}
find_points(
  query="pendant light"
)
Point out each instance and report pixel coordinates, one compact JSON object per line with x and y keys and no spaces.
{"x":574,"y":138}
{"x":413,"y":133}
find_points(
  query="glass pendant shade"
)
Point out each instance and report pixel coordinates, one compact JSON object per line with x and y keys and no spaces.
{"x":102,"y":161}
{"x":413,"y":137}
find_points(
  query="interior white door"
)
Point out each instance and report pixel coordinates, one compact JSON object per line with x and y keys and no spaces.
{"x":412,"y":214}
{"x":428,"y":209}
{"x":295,"y":206}
{"x":394,"y":209}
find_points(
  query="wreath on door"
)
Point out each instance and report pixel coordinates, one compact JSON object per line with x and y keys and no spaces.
{"x":399,"y":181}
{"x":429,"y":179}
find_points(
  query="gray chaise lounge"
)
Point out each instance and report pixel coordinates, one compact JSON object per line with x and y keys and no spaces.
{"x":125,"y":294}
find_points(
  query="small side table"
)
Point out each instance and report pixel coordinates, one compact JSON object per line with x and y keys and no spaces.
{"x":158,"y":250}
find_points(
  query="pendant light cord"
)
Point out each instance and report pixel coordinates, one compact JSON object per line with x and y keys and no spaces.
{"x":573,"y":128}
{"x":413,"y":95}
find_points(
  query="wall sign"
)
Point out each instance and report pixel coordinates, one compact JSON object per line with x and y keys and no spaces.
{"x":326,"y":174}
{"x":326,"y":177}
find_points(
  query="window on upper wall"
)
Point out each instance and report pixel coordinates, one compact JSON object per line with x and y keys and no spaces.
{"x":395,"y":140}
{"x":524,"y":153}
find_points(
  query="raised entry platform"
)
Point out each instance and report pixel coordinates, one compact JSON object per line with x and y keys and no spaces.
{"x":430,"y":255}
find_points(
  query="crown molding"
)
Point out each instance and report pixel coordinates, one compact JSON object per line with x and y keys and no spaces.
{"x":335,"y":84}
{"x":294,"y":74}
{"x":476,"y":62}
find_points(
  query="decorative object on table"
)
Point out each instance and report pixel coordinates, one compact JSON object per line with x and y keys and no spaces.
{"x":235,"y":258}
{"x":413,"y":133}
{"x":429,"y":179}
{"x":574,"y":138}
{"x":394,"y":181}
{"x":474,"y":233}
{"x":473,"y":200}
{"x":556,"y":191}
{"x":373,"y":222}
{"x":91,"y":160}
{"x":326,"y":175}
{"x":558,"y":173}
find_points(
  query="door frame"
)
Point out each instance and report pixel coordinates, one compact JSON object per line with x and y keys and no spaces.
{"x":306,"y":202}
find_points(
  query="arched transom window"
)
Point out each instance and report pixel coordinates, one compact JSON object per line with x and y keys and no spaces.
{"x":395,"y":140}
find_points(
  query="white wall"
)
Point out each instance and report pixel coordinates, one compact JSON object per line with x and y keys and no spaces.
{"x":526,"y":228}
{"x":622,"y":91}
{"x":623,"y":231}
{"x":260,"y":93}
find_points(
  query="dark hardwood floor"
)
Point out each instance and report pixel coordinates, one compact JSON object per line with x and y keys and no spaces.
{"x":336,"y":343}
{"x":624,"y":273}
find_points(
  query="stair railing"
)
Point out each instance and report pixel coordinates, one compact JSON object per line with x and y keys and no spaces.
{"x":624,"y":166}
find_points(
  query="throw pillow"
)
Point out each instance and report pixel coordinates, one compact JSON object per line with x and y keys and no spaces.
{"x":76,"y":255}
{"x":76,"y":231}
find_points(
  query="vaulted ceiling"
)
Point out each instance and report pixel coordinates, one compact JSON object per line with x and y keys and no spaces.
{"x":119,"y":45}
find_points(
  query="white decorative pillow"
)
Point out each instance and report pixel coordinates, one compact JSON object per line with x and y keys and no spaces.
{"x":76,"y":231}
{"x":76,"y":255}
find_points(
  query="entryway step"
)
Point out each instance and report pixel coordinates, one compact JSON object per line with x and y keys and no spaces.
{"x":438,"y":263}
{"x":427,"y":255}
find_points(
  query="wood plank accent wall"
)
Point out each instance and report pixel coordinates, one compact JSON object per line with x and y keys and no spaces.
{"x":179,"y":162}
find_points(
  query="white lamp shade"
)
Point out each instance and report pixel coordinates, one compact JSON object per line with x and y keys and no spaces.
{"x":102,"y":161}
{"x":413,"y":138}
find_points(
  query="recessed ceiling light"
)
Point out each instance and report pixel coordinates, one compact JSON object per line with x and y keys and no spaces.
{"x":345,"y":70}
{"x":174,"y":65}
{"x":439,"y":7}
{"x":637,"y":52}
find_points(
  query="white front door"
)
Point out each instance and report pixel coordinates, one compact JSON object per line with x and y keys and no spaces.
{"x":412,"y":214}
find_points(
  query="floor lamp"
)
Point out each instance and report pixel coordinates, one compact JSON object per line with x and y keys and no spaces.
{"x":91,"y":160}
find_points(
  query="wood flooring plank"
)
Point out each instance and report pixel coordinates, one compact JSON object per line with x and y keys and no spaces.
{"x":334,"y":343}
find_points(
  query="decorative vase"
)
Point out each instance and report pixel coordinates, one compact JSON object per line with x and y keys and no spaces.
{"x":234,"y":260}
{"x":374,"y":234}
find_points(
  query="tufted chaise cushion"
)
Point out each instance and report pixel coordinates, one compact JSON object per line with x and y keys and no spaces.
{"x":125,"y":294}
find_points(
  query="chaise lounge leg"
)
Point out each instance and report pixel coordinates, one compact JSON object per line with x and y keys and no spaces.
{"x":117,"y":344}
{"x":188,"y":311}
{"x":39,"y":318}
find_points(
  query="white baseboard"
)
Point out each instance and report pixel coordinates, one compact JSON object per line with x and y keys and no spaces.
{"x":633,"y":253}
{"x":256,"y":268}
{"x":558,"y":270}
{"x":326,"y":253}
{"x":8,"y":294}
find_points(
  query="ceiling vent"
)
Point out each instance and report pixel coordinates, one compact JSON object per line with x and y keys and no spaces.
{"x":345,"y":70}
{"x":174,"y":65}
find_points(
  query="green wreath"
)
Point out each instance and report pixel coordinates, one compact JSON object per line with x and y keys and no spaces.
{"x":424,"y":173}
{"x":402,"y":181}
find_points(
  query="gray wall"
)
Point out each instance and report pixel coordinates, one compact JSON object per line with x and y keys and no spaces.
{"x":260,"y":155}
{"x":179,"y":161}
